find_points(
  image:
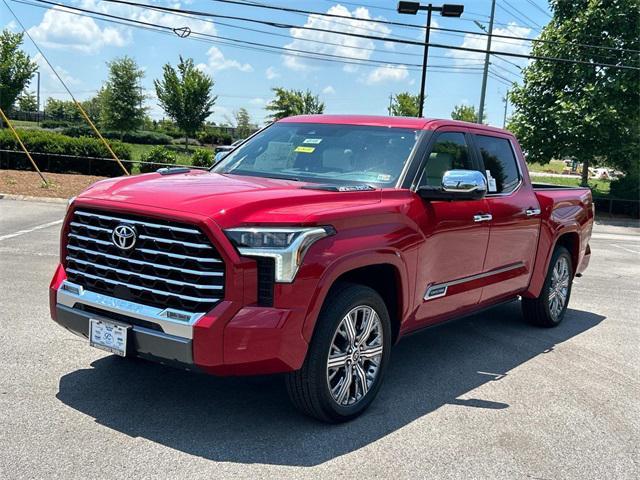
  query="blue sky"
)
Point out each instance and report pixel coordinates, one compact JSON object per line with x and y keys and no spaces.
{"x":79,"y":48}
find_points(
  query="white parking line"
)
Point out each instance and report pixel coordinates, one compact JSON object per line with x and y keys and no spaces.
{"x":615,"y":236}
{"x":624,"y":248}
{"x":29,"y":230}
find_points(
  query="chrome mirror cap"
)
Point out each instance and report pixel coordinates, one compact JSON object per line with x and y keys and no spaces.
{"x":464,"y":181}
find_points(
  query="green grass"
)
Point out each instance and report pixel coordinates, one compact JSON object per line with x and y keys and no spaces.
{"x":599,"y":187}
{"x":554,"y":166}
{"x":184,"y":158}
{"x":24,"y":124}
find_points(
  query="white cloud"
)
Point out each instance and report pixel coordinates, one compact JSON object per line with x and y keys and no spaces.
{"x":61,"y":29}
{"x":387,"y":73}
{"x":218,"y":62}
{"x":353,"y":47}
{"x":51,"y":80}
{"x":271,"y":73}
{"x":329,"y":90}
{"x":498,"y":44}
{"x":12,"y":25}
{"x":257,"y":101}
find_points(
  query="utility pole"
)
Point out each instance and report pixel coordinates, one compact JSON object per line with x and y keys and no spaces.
{"x":506,"y":102}
{"x":483,"y":92}
{"x":390,"y":103}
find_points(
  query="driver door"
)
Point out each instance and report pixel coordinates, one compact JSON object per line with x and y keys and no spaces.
{"x":456,"y":237}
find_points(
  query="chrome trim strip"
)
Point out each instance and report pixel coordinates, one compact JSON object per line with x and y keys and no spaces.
{"x":91,"y":227}
{"x":142,"y":275}
{"x":89,"y":239}
{"x":140,"y":262}
{"x":178,"y":242}
{"x":138,"y":287}
{"x":155,"y":315}
{"x":177,"y":255}
{"x":440,"y":289}
{"x":138,"y":222}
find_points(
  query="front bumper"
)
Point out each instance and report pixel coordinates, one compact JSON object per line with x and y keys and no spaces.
{"x":143,"y":342}
{"x":231,"y":339}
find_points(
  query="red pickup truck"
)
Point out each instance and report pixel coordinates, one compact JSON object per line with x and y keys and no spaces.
{"x":313,"y":247}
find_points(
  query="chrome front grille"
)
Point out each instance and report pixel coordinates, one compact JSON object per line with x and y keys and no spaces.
{"x":172,"y":265}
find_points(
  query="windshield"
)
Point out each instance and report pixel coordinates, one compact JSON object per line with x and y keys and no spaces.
{"x":324,"y":153}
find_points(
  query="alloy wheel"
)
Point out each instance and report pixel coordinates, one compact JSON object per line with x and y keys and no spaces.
{"x":559,"y":287}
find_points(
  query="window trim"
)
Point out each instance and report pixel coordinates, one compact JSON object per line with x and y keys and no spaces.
{"x":484,"y":170}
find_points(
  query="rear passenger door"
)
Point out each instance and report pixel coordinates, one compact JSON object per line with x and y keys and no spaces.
{"x":515,"y":223}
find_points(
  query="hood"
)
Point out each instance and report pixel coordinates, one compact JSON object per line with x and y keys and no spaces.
{"x":229,"y":200}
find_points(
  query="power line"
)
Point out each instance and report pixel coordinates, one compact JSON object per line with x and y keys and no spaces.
{"x":406,"y":25}
{"x":540,"y":9}
{"x":373,"y":37}
{"x":259,"y":46}
{"x":515,"y":13}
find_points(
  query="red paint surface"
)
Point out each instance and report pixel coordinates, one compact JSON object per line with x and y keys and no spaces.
{"x":424,"y":243}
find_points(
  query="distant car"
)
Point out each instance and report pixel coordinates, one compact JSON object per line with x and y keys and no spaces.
{"x":223,"y":150}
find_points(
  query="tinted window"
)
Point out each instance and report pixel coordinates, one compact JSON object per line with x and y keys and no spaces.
{"x":499,"y":159}
{"x":450,"y":152}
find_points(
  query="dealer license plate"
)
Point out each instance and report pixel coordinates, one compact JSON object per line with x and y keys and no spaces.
{"x":108,"y":336}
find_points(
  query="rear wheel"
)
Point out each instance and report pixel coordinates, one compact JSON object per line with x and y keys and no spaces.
{"x":549,"y":308}
{"x":347,"y":356}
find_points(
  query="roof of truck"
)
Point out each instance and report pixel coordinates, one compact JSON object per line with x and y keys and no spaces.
{"x":384,"y":121}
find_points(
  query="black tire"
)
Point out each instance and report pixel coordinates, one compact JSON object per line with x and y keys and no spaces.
{"x":538,"y":311}
{"x":308,"y":387}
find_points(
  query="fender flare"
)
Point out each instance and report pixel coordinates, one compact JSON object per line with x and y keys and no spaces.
{"x":362,"y":258}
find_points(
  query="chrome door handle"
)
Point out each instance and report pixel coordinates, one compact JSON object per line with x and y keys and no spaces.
{"x":483,"y":217}
{"x":532,"y":212}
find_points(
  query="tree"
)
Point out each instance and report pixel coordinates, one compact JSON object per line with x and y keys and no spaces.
{"x":61,"y":110}
{"x":185,"y":95}
{"x":16,"y":69}
{"x":27,"y":102}
{"x":93,"y":107}
{"x":582,"y":111}
{"x":121,"y":99}
{"x":404,"y":105}
{"x":243,"y":123}
{"x":293,"y":102}
{"x":466,"y":113}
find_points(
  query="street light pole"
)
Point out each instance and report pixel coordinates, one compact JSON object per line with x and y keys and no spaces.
{"x":424,"y":61}
{"x":483,"y":92}
{"x":446,"y":10}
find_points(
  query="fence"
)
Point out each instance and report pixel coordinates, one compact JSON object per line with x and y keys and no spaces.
{"x":617,"y":206}
{"x":58,"y":163}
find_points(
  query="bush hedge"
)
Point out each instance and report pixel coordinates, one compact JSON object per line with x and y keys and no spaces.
{"x":157,"y":155}
{"x":143,"y":137}
{"x":42,"y":142}
{"x":55,"y":124}
{"x":214,"y":136}
{"x":202,"y":158}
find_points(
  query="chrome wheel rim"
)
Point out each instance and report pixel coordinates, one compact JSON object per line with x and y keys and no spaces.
{"x":355,"y":355}
{"x":559,"y":288}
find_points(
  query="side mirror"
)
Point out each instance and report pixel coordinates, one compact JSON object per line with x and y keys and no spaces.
{"x":457,"y":185}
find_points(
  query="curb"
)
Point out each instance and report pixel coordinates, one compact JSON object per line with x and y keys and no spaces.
{"x":27,"y":198}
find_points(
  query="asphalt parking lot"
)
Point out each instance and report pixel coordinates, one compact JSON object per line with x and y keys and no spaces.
{"x":485,"y":397}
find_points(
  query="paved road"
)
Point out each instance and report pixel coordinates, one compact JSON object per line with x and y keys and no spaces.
{"x":486,"y":397}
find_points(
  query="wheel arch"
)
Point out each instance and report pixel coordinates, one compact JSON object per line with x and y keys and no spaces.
{"x":387,"y":276}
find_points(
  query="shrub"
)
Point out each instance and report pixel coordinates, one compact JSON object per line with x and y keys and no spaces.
{"x":45,"y":142}
{"x":152,"y":160}
{"x":627,"y":188}
{"x":142,"y":137}
{"x":202,"y":158}
{"x":214,"y":136}
{"x":54,"y":124}
{"x":180,"y":141}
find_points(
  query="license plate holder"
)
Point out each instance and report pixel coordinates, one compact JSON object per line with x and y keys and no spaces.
{"x":108,"y":336}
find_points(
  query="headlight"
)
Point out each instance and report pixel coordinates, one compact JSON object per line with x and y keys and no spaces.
{"x":286,"y":245}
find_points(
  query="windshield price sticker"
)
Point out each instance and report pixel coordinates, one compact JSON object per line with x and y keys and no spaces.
{"x":312,"y":141}
{"x":302,"y":149}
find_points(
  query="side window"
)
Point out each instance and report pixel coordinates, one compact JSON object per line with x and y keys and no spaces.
{"x":501,"y":163}
{"x":450,"y":152}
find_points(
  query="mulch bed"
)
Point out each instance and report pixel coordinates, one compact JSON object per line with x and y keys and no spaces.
{"x":61,"y":185}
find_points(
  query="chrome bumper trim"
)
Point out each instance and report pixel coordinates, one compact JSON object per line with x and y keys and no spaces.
{"x":74,"y":294}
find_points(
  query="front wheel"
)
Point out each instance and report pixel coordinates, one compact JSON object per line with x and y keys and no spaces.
{"x":347,"y":356}
{"x":549,"y":308}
